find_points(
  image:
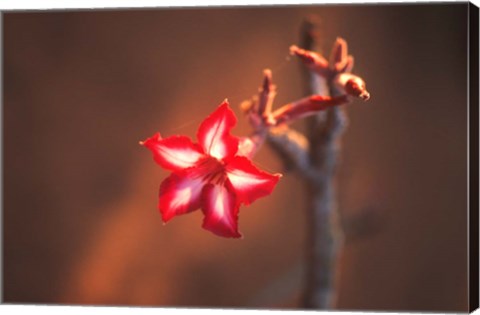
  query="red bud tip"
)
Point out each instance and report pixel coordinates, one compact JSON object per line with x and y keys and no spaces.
{"x":365,"y":96}
{"x":356,"y":87}
{"x":305,"y":55}
{"x":293,"y":49}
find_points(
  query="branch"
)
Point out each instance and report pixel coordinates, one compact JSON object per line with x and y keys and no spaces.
{"x":292,"y":147}
{"x":306,"y":107}
{"x":325,"y":234}
{"x":314,"y":156}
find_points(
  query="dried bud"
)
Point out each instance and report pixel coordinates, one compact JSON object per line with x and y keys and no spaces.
{"x":312,"y":60}
{"x":347,"y":83}
{"x":339,"y":52}
{"x":266,"y":94}
{"x":356,"y":87}
{"x":247,"y":106}
{"x":306,"y":107}
{"x":349,"y":64}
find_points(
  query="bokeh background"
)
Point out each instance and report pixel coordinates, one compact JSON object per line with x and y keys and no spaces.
{"x":80,"y":195}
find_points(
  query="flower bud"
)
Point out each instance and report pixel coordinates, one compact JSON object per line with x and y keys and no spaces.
{"x":347,"y":83}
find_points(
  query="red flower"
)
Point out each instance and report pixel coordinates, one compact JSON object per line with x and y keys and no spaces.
{"x":209,"y":175}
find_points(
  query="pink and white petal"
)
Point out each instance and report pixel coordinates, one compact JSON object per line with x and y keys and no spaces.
{"x":214,"y":133}
{"x":220,"y":208}
{"x":174,"y":153}
{"x":179,"y":194}
{"x":248,"y":181}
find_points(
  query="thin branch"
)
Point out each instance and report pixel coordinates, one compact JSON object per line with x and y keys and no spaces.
{"x":306,"y":107}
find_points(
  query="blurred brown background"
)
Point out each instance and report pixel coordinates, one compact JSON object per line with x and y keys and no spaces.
{"x":80,"y":195}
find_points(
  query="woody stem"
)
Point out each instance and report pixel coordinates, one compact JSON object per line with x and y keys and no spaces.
{"x":324,"y":236}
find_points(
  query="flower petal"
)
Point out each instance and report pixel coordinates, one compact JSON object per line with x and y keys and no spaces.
{"x":248,"y":181}
{"x":214,"y":133}
{"x":221,"y":210}
{"x":174,"y":153}
{"x":180,"y":193}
